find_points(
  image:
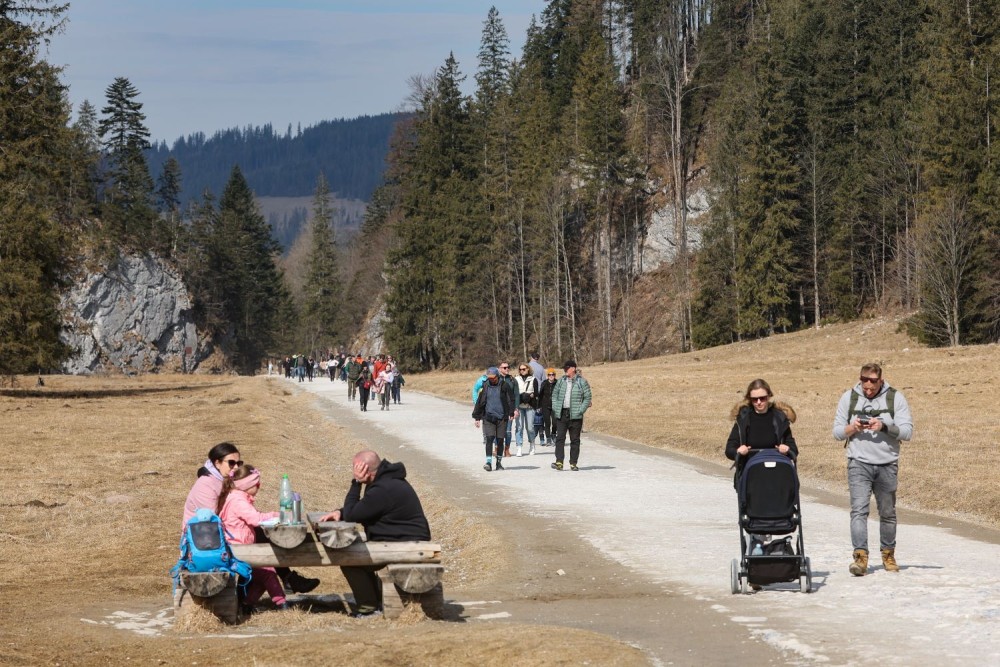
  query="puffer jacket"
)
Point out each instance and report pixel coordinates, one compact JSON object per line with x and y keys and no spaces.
{"x":579,"y":399}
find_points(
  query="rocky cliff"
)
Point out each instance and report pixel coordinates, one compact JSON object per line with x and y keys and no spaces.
{"x":133,"y":316}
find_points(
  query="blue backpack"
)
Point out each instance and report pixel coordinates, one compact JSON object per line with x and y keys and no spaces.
{"x":204,"y":549}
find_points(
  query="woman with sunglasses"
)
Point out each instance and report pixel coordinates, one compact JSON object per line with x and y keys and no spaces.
{"x":760,"y":423}
{"x":222,"y":460}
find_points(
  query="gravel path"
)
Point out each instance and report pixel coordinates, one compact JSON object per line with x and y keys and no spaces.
{"x":671,"y":521}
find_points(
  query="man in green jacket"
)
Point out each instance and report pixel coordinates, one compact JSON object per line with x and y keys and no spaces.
{"x":570,"y":399}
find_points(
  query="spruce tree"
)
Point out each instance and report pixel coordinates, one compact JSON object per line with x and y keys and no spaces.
{"x":129,"y":190}
{"x":252,"y":287}
{"x":323,"y":296}
{"x":33,"y":195}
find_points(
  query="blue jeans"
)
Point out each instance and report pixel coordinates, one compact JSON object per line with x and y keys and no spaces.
{"x":863,"y":480}
{"x":525,"y":420}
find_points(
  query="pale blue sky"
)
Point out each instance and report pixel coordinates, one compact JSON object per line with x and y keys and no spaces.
{"x":205,"y":65}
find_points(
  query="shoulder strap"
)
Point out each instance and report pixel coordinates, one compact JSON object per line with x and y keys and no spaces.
{"x":890,"y":403}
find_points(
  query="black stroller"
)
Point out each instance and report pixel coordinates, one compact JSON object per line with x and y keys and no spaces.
{"x":768,"y":492}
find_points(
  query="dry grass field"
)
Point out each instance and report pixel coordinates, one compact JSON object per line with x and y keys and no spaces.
{"x":683,"y":402}
{"x":92,"y":483}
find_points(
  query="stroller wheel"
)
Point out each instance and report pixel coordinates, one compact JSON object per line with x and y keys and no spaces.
{"x":735,"y":576}
{"x":805,"y":578}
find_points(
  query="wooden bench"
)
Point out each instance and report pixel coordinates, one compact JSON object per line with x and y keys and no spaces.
{"x":411,"y":571}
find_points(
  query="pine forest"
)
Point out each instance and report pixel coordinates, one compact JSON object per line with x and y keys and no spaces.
{"x":811,"y":162}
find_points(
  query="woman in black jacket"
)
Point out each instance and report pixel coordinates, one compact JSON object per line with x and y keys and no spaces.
{"x":759,"y":423}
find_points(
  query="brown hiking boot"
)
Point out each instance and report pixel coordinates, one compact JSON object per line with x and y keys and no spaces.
{"x":889,"y":560}
{"x":860,"y":565}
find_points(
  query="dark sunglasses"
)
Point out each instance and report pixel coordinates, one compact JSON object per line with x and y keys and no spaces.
{"x":872,"y":380}
{"x":522,"y":369}
{"x":234,"y":464}
{"x":758,"y":399}
{"x":503,"y":368}
{"x":552,"y":375}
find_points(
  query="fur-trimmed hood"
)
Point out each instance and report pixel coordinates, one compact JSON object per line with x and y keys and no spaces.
{"x":780,"y":405}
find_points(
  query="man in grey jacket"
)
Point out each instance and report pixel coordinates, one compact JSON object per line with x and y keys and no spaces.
{"x":873,"y":418}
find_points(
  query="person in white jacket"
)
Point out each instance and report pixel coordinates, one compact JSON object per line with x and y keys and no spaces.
{"x":526,"y":388}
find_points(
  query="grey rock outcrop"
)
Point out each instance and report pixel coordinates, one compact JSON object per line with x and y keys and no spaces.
{"x":134,"y":316}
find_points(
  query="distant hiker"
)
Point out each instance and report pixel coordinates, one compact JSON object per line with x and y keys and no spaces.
{"x":537,"y":370}
{"x":570,"y":399}
{"x":353,"y":373}
{"x":494,"y":406}
{"x":873,"y":418}
{"x":390,"y":511}
{"x":397,"y":384}
{"x":506,"y":379}
{"x":364,"y":383}
{"x":222,"y":459}
{"x":270,"y":368}
{"x":286,"y":365}
{"x":240,"y":518}
{"x":547,"y":435}
{"x":527,"y":400}
{"x":331,"y":366}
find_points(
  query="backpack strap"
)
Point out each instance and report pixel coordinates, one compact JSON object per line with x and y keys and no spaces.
{"x":890,"y":403}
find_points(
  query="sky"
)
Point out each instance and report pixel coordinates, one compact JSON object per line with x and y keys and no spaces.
{"x":206,"y":65}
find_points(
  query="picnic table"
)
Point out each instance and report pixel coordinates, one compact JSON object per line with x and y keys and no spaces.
{"x":410,"y":571}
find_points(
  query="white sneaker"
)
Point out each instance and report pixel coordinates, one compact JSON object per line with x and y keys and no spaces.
{"x":518,"y":451}
{"x":531,"y":450}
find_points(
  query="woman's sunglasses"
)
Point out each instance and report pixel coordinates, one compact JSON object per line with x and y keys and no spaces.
{"x":234,"y":464}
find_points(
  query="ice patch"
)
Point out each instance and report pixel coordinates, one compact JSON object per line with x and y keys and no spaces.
{"x":146,"y":624}
{"x":490,"y":617}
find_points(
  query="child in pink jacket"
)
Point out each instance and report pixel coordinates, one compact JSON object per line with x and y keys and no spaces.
{"x":239,"y":517}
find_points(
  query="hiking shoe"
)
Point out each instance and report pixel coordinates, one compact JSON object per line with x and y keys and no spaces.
{"x":506,"y":451}
{"x":557,"y":465}
{"x":296,"y":583}
{"x":889,"y":560}
{"x":860,"y":565}
{"x":366,"y":614}
{"x":488,"y":467}
{"x":572,"y":466}
{"x":499,"y":467}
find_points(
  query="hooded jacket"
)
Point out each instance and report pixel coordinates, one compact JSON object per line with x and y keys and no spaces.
{"x":390,"y":510}
{"x":874,"y":447}
{"x":239,"y":517}
{"x":782,"y":416}
{"x":506,"y":396}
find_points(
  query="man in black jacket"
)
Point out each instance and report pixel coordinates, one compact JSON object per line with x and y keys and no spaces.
{"x":494,"y":408}
{"x":390,"y":511}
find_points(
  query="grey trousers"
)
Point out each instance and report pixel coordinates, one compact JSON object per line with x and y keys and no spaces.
{"x":863,"y":481}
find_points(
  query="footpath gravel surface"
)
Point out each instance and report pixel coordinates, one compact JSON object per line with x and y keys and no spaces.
{"x":671,"y":521}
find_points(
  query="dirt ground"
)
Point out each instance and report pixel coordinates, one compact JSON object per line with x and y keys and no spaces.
{"x":94,"y":473}
{"x":92,"y":483}
{"x":682,"y":403}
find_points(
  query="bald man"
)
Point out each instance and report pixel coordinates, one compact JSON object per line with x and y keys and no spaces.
{"x":390,"y":512}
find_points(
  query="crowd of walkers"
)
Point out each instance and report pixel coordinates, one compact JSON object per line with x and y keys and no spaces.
{"x":375,"y":376}
{"x":515,"y":409}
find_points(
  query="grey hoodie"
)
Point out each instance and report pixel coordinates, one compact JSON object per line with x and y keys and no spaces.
{"x":875,"y":447}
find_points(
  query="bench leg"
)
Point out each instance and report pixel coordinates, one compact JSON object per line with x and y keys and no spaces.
{"x":224,"y":605}
{"x":395,"y":601}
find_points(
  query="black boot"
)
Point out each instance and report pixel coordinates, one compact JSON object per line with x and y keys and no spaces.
{"x":296,"y":583}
